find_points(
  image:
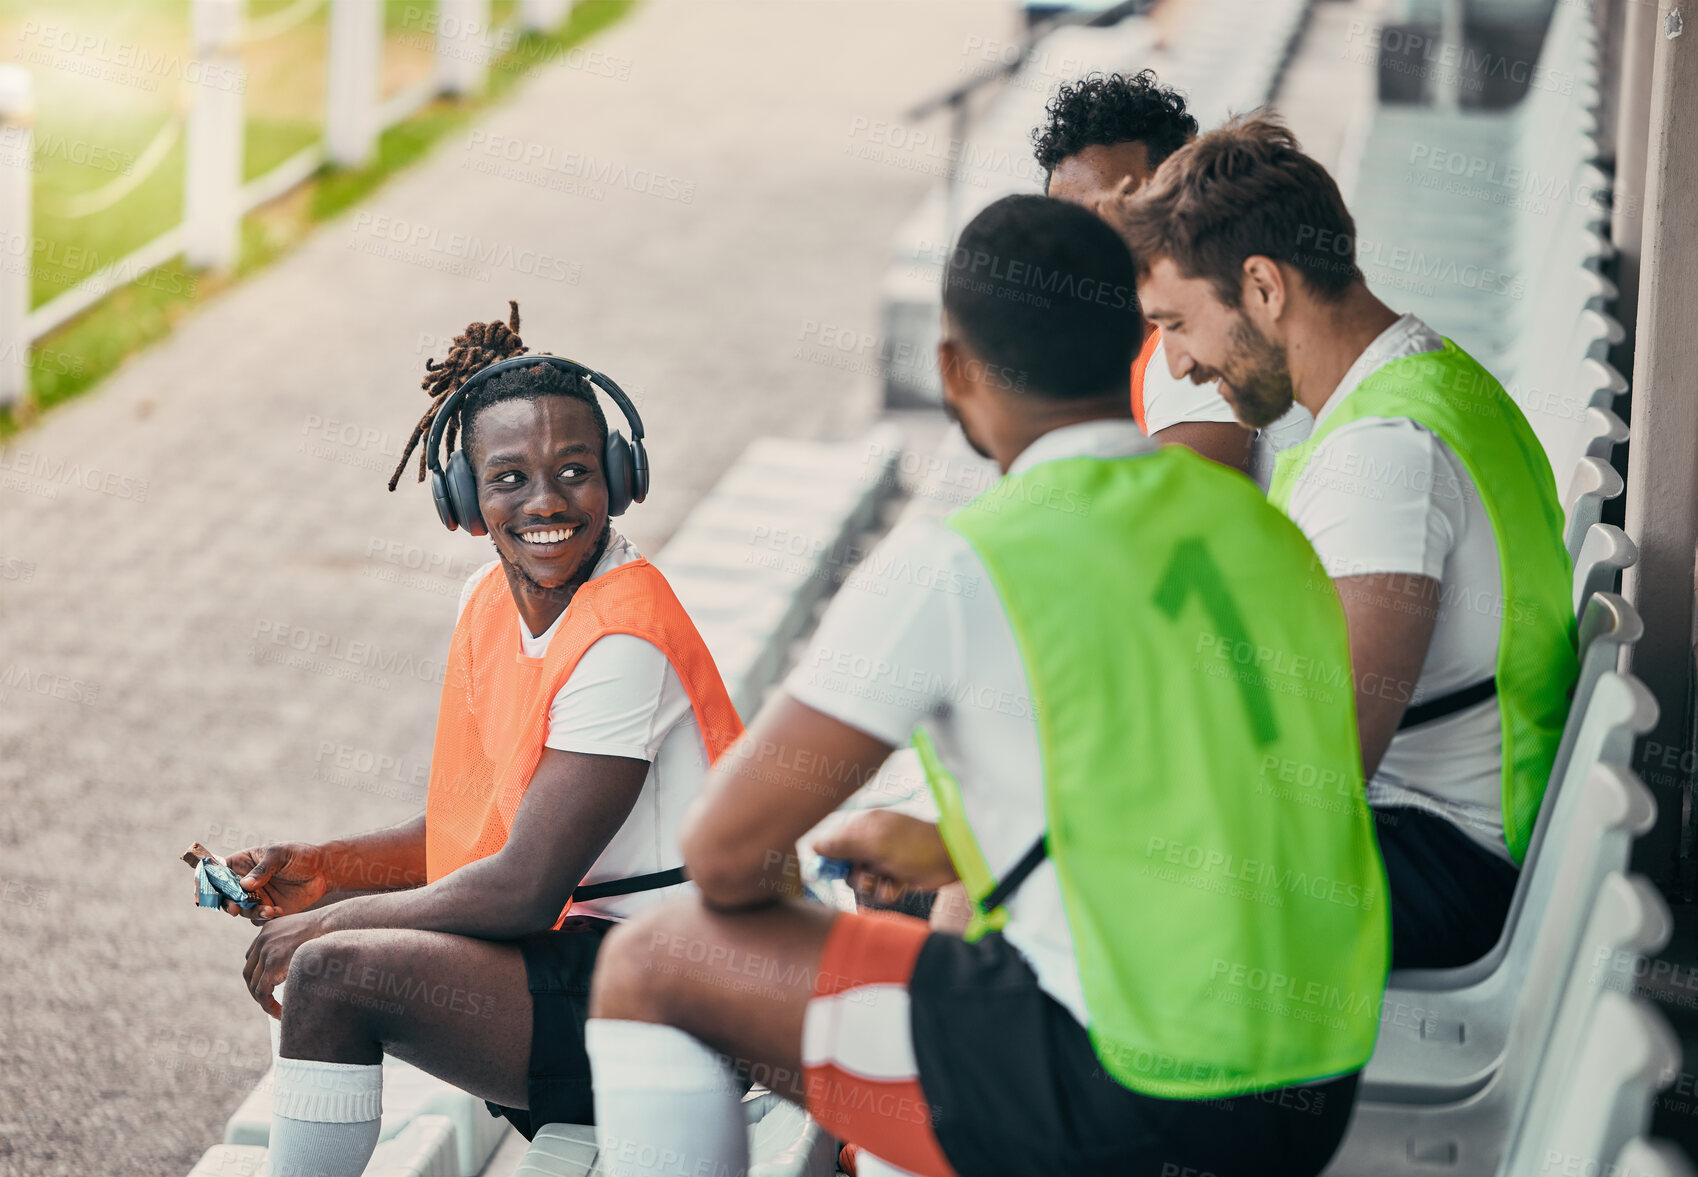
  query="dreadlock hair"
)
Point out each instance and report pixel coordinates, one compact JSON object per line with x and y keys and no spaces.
{"x":476,"y":348}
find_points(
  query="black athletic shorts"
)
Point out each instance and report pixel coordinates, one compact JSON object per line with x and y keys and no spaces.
{"x":558,"y":965}
{"x":1449,"y":894}
{"x":1015,"y":1088}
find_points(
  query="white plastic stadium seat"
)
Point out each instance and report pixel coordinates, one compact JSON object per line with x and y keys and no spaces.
{"x":1473,"y":1135}
{"x":1605,"y":429}
{"x":1446,"y":1044}
{"x":1445,"y":1033}
{"x":1608,"y":625}
{"x":1604,"y":552}
{"x":1513,"y":271}
{"x":1643,"y":1157}
{"x":1610,"y":1053}
{"x":1594,"y":482}
{"x":783,"y":1142}
{"x":559,"y":1150}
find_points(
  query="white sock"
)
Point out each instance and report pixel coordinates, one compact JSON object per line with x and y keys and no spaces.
{"x":664,"y":1103}
{"x":276,"y":1025}
{"x":325,"y":1117}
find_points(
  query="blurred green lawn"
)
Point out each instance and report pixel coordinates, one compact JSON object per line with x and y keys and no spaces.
{"x":110,"y":74}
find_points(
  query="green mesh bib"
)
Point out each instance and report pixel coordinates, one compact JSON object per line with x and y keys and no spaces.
{"x":1190,"y":672}
{"x":1467,"y":409}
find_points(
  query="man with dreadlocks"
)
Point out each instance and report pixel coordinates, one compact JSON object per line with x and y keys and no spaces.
{"x":579,"y":715}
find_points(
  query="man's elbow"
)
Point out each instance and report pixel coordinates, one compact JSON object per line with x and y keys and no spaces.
{"x":532,"y":904}
{"x":727,"y":874}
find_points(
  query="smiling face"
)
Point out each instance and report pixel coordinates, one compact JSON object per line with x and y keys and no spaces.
{"x":1205,"y":340}
{"x":540,"y":486}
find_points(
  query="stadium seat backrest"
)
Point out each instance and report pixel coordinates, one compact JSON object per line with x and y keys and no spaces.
{"x":1593,"y":483}
{"x":1558,"y":370}
{"x":1607,"y":1052}
{"x":1604,"y":430}
{"x":1495,"y":1030}
{"x":1604,"y":552}
{"x":1628,"y":1055}
{"x":1601,"y":382}
{"x":1610,"y":711}
{"x":1603,"y":812}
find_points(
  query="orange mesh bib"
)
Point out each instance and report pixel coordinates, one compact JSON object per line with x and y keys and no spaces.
{"x":1139,"y":365}
{"x":493,"y":722}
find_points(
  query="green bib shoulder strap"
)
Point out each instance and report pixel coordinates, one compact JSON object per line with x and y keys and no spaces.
{"x":1463,"y":405}
{"x":1202,"y":784}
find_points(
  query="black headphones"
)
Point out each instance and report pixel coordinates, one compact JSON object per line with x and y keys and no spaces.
{"x":625,"y":464}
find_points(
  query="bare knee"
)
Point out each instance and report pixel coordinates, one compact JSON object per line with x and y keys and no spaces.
{"x":639,"y":969}
{"x":320,"y":1007}
{"x":324,"y":966}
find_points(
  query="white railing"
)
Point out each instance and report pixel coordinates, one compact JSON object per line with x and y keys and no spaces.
{"x":212,"y":119}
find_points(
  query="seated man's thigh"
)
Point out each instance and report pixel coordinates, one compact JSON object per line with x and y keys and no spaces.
{"x":739,"y":981}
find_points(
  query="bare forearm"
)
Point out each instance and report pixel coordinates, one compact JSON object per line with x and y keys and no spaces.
{"x":730,"y":867}
{"x":794,"y":766}
{"x":391,"y":859}
{"x":480,"y":899}
{"x":1391,"y":618}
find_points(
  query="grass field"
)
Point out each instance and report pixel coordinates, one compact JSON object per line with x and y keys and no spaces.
{"x":110,"y":90}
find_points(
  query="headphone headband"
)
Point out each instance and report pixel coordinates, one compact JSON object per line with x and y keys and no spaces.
{"x":439,"y":423}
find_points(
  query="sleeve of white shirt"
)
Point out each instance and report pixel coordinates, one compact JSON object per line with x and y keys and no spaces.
{"x":613,"y":702}
{"x":471,"y":587}
{"x":1371,"y":499}
{"x":1172,"y":402}
{"x":886,"y":650}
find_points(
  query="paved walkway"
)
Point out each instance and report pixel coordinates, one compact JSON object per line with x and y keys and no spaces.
{"x":690,"y":210}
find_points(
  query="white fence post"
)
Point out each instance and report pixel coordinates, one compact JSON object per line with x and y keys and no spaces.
{"x":463,"y":43}
{"x":542,"y":16}
{"x":212,"y":210}
{"x":351,"y":89}
{"x":17,"y":231}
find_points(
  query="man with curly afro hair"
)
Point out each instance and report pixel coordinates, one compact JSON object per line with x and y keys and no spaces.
{"x":1106,"y":127}
{"x":1106,"y":134}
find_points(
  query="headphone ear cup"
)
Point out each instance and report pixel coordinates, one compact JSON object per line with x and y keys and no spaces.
{"x":639,"y":471}
{"x":618,"y":468}
{"x":439,"y":495}
{"x":463,"y":494}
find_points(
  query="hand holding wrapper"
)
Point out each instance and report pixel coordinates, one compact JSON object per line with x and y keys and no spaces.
{"x":215,"y":882}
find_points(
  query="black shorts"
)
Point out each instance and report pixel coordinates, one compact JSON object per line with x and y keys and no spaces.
{"x":1015,"y":1087}
{"x":1449,"y":894}
{"x":558,"y":965}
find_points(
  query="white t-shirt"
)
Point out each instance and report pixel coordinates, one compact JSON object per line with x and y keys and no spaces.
{"x":625,"y":699}
{"x":1171,"y":401}
{"x":899,"y":650}
{"x":1385,"y":495}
